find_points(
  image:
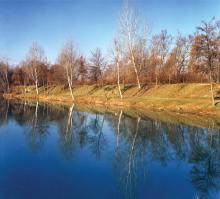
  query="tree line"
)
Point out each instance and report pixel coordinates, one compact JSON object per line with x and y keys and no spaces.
{"x":135,"y":57}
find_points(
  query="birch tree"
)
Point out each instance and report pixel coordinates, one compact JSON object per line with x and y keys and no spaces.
{"x":68,"y":61}
{"x":34,"y":58}
{"x":130,"y":32}
{"x":116,"y":54}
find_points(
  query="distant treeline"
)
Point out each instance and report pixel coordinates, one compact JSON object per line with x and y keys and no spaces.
{"x":136,"y":57}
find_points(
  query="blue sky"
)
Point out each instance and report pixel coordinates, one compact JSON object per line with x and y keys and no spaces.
{"x":90,"y":23}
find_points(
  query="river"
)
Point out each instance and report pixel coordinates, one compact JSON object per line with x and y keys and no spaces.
{"x":49,"y":151}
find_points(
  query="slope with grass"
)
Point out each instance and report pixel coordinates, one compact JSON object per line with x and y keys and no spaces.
{"x":187,"y":98}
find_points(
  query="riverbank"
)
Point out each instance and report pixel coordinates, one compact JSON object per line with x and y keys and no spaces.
{"x":183,"y":98}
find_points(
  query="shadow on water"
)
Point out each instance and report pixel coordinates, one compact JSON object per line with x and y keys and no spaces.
{"x":135,"y":145}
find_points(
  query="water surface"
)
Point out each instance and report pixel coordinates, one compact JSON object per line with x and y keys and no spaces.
{"x":64,"y":152}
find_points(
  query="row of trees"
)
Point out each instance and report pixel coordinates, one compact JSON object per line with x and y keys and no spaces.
{"x":136,"y":57}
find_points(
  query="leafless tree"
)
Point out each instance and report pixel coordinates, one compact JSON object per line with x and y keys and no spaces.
{"x":34,"y":58}
{"x":218,"y":49}
{"x":68,"y":61}
{"x":117,"y":57}
{"x":160,"y":47}
{"x":97,"y":65}
{"x":205,"y":50}
{"x":4,"y":74}
{"x":129,"y":30}
{"x":181,"y":55}
{"x":82,"y":72}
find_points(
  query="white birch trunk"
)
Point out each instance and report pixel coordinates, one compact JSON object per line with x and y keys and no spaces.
{"x":119,"y":87}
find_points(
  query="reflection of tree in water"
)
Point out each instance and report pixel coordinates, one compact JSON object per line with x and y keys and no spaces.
{"x":73,"y":132}
{"x":36,"y":129}
{"x":96,"y":138}
{"x":129,"y":155}
{"x":4,"y":111}
{"x":131,"y":174}
{"x":179,"y":139}
{"x":160,"y":144}
{"x":21,"y":112}
{"x":67,"y":139}
{"x":76,"y":129}
{"x":164,"y":142}
{"x":32,"y":117}
{"x":83,"y":130}
{"x":205,"y":173}
{"x":137,"y":142}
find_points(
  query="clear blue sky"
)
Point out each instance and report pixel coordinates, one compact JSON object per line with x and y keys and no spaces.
{"x":90,"y":23}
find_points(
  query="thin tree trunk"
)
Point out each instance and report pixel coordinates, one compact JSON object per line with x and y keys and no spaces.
{"x":71,"y":90}
{"x":35,"y":120}
{"x":24,"y":109}
{"x":132,"y":150}
{"x":123,"y":78}
{"x":212,"y":91}
{"x":7,"y":109}
{"x":102,"y":84}
{"x":6,"y":77}
{"x":213,"y":99}
{"x":118,"y":129}
{"x":100,"y":132}
{"x":36,"y":86}
{"x":69,"y":121}
{"x":119,"y":87}
{"x":7,"y":82}
{"x":36,"y":79}
{"x":24,"y":87}
{"x":36,"y":110}
{"x":135,"y":70}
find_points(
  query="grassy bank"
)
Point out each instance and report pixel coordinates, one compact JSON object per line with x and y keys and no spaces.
{"x":185,"y":98}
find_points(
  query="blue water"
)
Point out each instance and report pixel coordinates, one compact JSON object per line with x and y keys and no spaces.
{"x":62,"y":152}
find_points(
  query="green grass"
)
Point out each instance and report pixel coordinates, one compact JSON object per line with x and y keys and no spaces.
{"x":195,"y":98}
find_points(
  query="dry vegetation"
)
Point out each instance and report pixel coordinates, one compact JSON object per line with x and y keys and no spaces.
{"x":191,"y":98}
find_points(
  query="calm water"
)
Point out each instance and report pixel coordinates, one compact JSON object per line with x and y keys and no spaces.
{"x":61,"y":152}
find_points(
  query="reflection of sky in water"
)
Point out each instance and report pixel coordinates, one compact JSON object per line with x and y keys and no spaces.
{"x":56,"y":152}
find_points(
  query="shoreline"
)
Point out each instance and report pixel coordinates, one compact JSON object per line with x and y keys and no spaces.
{"x":147,"y":104}
{"x":191,"y":99}
{"x":197,"y":120}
